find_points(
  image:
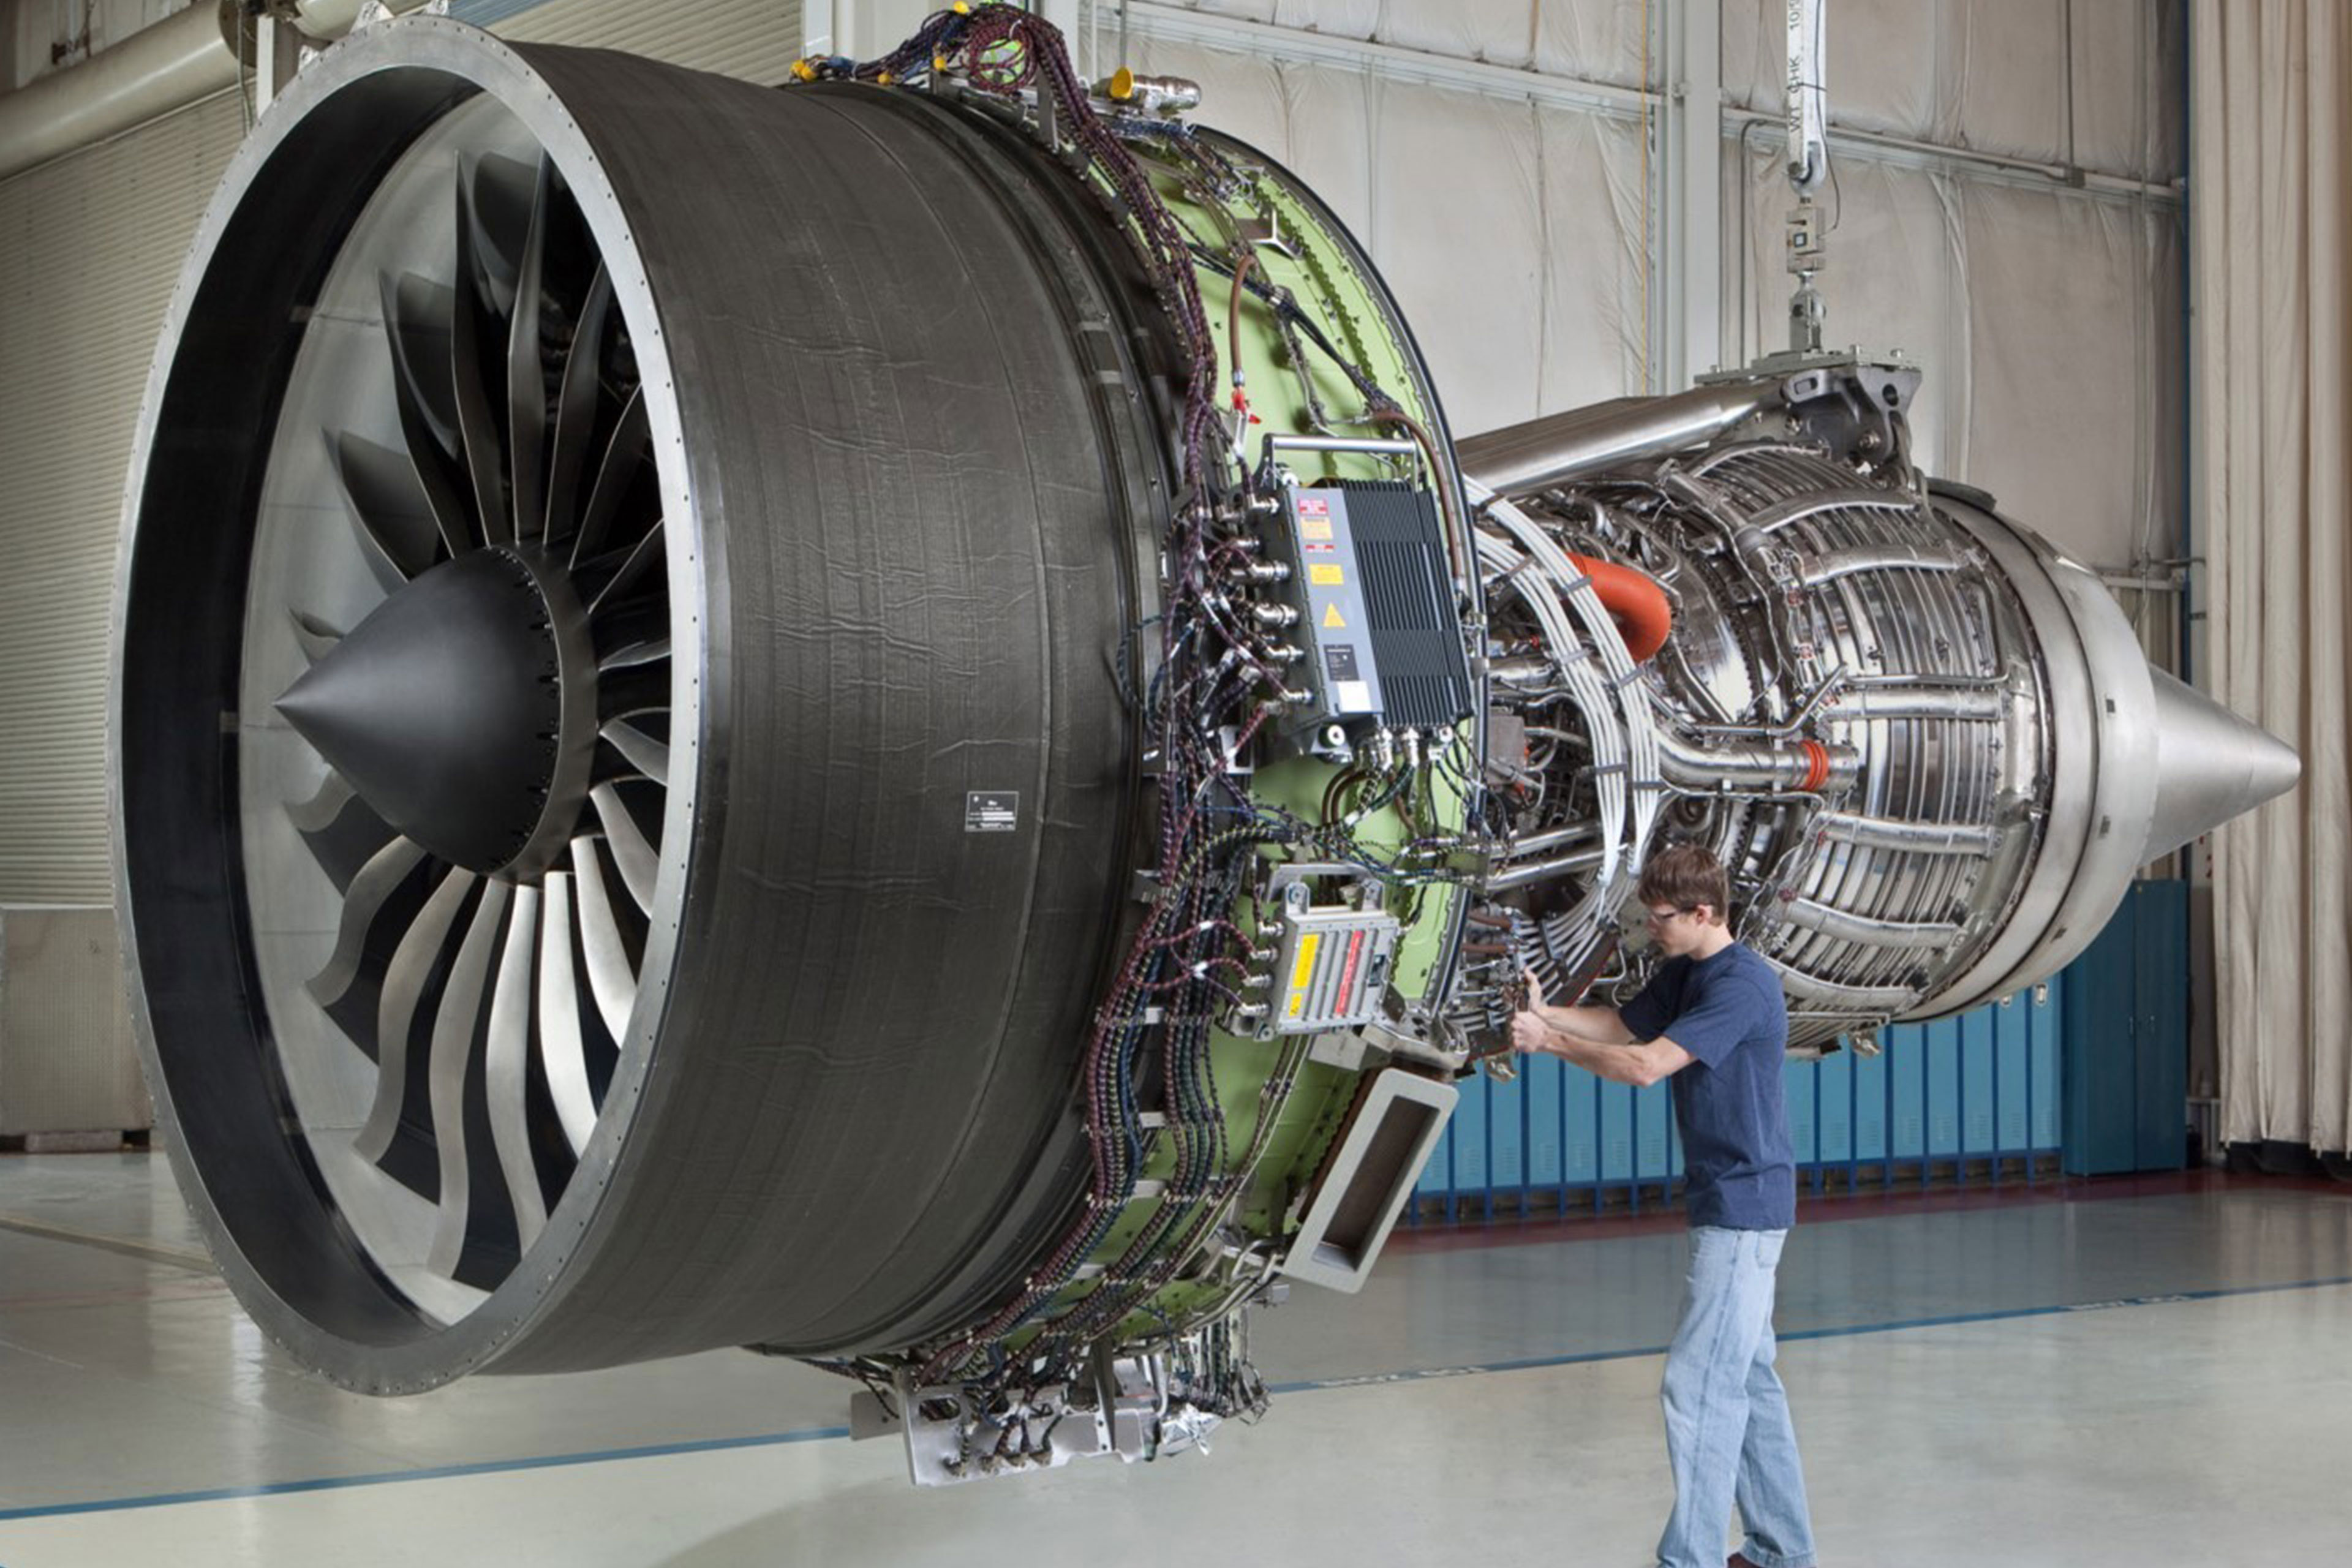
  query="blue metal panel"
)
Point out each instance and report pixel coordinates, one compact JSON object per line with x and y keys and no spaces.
{"x":2012,"y":1059}
{"x":1469,"y":1143}
{"x":1833,"y":1079}
{"x":1976,"y":1106}
{"x":2098,"y":1058}
{"x":1542,"y":1075}
{"x":1797,"y":1081}
{"x":1871,"y":1098}
{"x":2161,"y":1020}
{"x":1944,"y":1088}
{"x":1906,"y":1080}
{"x":1616,"y":1132}
{"x":1652,"y":1111}
{"x":2042,"y":1087}
{"x":1505,"y":1135}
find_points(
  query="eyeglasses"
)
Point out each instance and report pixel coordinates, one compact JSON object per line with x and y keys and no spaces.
{"x":1657,"y":918}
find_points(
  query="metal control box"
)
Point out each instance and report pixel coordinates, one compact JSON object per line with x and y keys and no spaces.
{"x":1331,"y":966}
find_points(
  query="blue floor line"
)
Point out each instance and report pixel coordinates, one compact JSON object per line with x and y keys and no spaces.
{"x":818,"y":1433}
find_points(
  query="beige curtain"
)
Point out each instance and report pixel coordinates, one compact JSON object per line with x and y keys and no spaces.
{"x":2270,"y":191}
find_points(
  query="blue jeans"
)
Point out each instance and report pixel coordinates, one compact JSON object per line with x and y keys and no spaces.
{"x":1727,"y":1431}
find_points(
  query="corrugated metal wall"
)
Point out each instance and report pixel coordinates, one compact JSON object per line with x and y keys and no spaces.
{"x":90,"y":246}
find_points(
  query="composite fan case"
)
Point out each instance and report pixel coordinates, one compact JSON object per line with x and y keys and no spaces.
{"x":899,"y":477}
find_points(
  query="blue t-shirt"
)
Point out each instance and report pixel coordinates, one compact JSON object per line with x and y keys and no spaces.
{"x":1726,"y":1011}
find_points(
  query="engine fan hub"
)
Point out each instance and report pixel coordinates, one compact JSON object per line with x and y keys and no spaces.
{"x":462,"y":709}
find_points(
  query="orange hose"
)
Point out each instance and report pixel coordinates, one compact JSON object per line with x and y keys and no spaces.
{"x":1634,"y":602}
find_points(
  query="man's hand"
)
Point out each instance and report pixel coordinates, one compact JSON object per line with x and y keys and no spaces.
{"x":1530,"y":1033}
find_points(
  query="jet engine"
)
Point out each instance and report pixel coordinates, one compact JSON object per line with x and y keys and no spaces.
{"x":873,"y":720}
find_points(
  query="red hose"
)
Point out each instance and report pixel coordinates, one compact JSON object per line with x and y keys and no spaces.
{"x":1635,"y":603}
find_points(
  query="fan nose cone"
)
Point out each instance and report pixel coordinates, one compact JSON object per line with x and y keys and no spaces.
{"x":444,"y":709}
{"x":2211,"y":765}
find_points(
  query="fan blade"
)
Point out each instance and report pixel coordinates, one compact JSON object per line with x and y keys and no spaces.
{"x":640,"y":866}
{"x":342,"y":831}
{"x":396,"y":529}
{"x":641,"y":561}
{"x":416,"y":313}
{"x":504,"y":195}
{"x":622,"y":455}
{"x":318,"y":814}
{"x":317,"y":637}
{"x":454,"y":1026}
{"x":507,"y":1067}
{"x":484,"y":460}
{"x":561,"y":1051}
{"x":376,"y":882}
{"x":403,"y":985}
{"x":634,"y":690}
{"x":527,"y":370}
{"x":636,"y":654}
{"x":575,"y":415}
{"x":635,"y":623}
{"x":610,"y":980}
{"x":647,"y":756}
{"x":431,"y":437}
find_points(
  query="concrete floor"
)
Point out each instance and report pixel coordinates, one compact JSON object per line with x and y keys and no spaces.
{"x":2074,"y":1377}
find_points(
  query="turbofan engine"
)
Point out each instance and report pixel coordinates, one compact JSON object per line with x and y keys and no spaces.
{"x":873,"y":721}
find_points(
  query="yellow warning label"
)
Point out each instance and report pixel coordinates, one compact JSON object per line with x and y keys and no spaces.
{"x":1301,"y":971}
{"x":1305,"y":967}
{"x":1314,"y":528}
{"x":1332,"y":618}
{"x":1326,"y":576}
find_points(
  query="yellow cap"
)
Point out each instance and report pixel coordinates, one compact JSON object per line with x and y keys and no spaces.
{"x":883,"y":78}
{"x":962,"y":7}
{"x":1122,"y":84}
{"x":804,"y":70}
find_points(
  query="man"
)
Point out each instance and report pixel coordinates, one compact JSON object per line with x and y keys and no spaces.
{"x":1714,"y":1021}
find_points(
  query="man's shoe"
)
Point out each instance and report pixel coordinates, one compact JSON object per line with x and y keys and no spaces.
{"x":1737,"y":1560}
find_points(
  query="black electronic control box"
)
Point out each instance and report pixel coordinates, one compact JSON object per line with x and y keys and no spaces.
{"x":1375,"y":600}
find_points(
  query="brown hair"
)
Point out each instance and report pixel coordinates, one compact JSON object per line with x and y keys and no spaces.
{"x":1686,"y":877}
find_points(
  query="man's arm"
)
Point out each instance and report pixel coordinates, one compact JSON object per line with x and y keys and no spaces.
{"x":1597,"y":1039}
{"x":1639,"y":1064}
{"x":1598,"y":1025}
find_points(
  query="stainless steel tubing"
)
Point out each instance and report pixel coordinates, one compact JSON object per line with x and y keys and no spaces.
{"x":1748,"y":765}
{"x":1915,"y":702}
{"x":1832,"y":564}
{"x":1934,"y":935}
{"x":1892,"y":833}
{"x":1544,"y":870}
{"x":1522,"y":458}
